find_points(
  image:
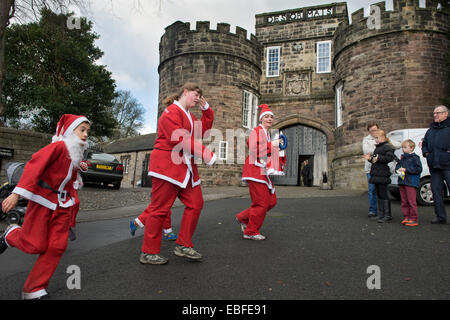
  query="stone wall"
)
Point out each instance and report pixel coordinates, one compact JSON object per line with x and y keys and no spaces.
{"x":395,"y":75}
{"x":24,"y":143}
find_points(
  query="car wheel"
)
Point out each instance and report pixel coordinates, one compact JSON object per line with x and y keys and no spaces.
{"x":116,"y":185}
{"x":424,"y":193}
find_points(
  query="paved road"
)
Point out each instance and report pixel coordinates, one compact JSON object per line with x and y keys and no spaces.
{"x":317,"y":248}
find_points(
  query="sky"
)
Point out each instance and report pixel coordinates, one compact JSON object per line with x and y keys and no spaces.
{"x":130,"y":31}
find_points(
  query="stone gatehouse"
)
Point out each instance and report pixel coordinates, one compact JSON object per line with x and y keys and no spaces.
{"x":323,"y":77}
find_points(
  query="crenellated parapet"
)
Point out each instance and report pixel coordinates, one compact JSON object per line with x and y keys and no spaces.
{"x":179,"y":39}
{"x":405,"y":16}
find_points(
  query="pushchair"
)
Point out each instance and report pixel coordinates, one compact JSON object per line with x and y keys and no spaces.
{"x":14,"y":171}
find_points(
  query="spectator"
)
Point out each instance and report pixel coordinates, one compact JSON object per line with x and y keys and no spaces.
{"x":436,"y":148}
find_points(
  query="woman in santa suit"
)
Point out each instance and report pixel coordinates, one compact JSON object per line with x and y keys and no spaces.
{"x":49,"y":181}
{"x":262,"y":153}
{"x":174,"y":172}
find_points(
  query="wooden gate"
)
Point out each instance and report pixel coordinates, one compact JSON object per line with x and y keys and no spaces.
{"x":303,"y":142}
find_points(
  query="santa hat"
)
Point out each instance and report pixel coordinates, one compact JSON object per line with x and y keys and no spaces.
{"x":264,"y":110}
{"x":66,"y":125}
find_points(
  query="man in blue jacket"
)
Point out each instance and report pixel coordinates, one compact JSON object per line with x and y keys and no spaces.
{"x":436,"y":148}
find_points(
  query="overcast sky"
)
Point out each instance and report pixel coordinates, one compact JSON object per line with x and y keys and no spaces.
{"x":130,"y":31}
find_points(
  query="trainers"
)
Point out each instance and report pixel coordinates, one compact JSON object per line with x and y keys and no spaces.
{"x":147,"y":258}
{"x":255,"y":237}
{"x":405,"y":221}
{"x":170,"y":236}
{"x":187,"y":252}
{"x":133,"y":228}
{"x":243,"y":225}
{"x":412,"y":223}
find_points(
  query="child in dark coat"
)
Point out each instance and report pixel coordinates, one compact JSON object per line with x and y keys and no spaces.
{"x":409,"y":168}
{"x":380,"y":174}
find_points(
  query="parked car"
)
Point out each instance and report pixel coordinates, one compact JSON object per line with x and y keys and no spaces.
{"x":104,"y":168}
{"x":424,"y":195}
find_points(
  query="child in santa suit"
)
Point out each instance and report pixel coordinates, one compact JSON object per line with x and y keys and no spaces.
{"x":262,"y":151}
{"x":174,"y":172}
{"x":49,"y":181}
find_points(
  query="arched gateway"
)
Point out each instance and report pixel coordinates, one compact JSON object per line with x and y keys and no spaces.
{"x":303,"y":143}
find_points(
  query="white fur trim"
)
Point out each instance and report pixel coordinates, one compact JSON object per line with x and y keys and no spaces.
{"x":187,"y":115}
{"x":264,"y":113}
{"x":75,"y":124}
{"x":139,"y":223}
{"x":206,"y":107}
{"x":175,"y":182}
{"x":35,"y":198}
{"x":33,"y":295}
{"x":269,"y":185}
{"x":8,"y":231}
{"x":213,"y":160}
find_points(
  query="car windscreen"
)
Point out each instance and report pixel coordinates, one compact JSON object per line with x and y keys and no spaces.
{"x":103,"y":157}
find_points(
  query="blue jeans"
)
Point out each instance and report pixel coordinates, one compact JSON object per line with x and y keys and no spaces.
{"x":437,"y":185}
{"x":372,"y":196}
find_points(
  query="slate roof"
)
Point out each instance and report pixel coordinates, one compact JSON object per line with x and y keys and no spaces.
{"x":144,"y":142}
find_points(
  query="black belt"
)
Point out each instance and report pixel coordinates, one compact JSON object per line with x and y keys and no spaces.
{"x":63,"y":193}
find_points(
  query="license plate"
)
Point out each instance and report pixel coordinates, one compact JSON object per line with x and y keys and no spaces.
{"x":104,"y":167}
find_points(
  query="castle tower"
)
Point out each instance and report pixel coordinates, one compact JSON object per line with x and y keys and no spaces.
{"x":227,"y":67}
{"x":389,"y":67}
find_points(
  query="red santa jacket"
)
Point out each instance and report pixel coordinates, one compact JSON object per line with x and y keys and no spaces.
{"x":263,"y":158}
{"x":52,"y":165}
{"x":259,"y":149}
{"x":176,"y":147}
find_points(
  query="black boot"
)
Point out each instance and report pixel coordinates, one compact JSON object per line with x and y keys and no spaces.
{"x":387,"y":217}
{"x":380,"y":211}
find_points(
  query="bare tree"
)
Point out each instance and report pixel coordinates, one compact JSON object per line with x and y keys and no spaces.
{"x":128,"y":113}
{"x":27,"y":10}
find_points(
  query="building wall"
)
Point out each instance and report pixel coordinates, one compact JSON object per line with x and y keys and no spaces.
{"x":24,"y":143}
{"x":297,"y":32}
{"x":394,"y":75}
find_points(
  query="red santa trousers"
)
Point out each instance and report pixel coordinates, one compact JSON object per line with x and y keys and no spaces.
{"x":144,"y":215}
{"x":164,"y":195}
{"x":262,"y":201}
{"x":44,"y":232}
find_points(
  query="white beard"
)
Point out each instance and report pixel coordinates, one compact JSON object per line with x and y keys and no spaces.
{"x":76,"y":148}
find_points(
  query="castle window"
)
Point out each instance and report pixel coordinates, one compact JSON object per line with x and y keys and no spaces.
{"x":249,"y":110}
{"x":223,"y":150}
{"x":338,"y":105}
{"x":273,"y":62}
{"x":324,"y":56}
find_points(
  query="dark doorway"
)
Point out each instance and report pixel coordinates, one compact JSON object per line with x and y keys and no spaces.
{"x":301,"y":158}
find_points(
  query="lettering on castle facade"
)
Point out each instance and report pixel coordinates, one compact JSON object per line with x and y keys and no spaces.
{"x":300,"y":15}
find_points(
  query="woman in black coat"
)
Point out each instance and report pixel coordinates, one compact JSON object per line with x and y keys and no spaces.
{"x":380,"y":174}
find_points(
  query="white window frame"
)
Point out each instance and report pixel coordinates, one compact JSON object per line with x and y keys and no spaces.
{"x":319,"y":57}
{"x":338,"y":105}
{"x":269,"y":71}
{"x":126,"y":163}
{"x":249,"y":110}
{"x":223,"y":150}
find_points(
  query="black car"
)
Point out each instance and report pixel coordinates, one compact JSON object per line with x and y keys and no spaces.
{"x":104,"y":168}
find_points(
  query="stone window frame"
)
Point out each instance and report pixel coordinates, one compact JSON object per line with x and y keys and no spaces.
{"x":223,"y":150}
{"x":338,"y":105}
{"x":249,"y":109}
{"x":318,"y":57}
{"x":269,"y":70}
